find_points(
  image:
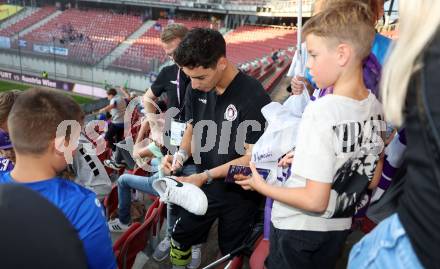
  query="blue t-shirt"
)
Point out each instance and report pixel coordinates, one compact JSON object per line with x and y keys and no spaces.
{"x":6,"y":165}
{"x":84,"y":211}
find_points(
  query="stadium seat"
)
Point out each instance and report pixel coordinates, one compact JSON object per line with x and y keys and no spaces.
{"x":121,"y":240}
{"x":136,"y":241}
{"x":101,"y":31}
{"x":136,"y":237}
{"x":146,"y":50}
{"x":259,"y":255}
{"x":274,"y":80}
{"x":247,"y":43}
{"x":111,"y":202}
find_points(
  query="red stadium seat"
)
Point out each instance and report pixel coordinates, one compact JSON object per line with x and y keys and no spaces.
{"x":248,"y":43}
{"x":111,"y":202}
{"x":136,"y":241}
{"x":147,"y":47}
{"x":152,"y":221}
{"x":109,"y":31}
{"x":259,"y":255}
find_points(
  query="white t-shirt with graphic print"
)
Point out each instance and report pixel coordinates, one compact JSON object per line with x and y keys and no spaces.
{"x":339,"y":143}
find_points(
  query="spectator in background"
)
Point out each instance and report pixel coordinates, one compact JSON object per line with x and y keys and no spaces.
{"x":126,"y":159}
{"x":117,"y":106}
{"x":274,"y":55}
{"x":171,"y":83}
{"x":157,"y":26}
{"x":128,"y":96}
{"x":33,"y":123}
{"x":7,"y":154}
{"x":88,"y":171}
{"x":372,"y":65}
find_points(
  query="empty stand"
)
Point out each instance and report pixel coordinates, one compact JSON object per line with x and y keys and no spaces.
{"x":88,"y":35}
{"x":27,"y":21}
{"x":146,"y":52}
{"x":248,"y":43}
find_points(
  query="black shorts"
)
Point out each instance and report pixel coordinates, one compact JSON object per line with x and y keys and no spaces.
{"x":235,"y":209}
{"x":304,"y":249}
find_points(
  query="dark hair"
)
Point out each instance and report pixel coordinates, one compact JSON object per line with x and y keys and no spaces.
{"x":112,"y":92}
{"x":35,"y":116}
{"x":200,"y":47}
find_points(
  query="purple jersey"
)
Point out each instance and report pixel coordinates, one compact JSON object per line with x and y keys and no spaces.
{"x":6,"y":165}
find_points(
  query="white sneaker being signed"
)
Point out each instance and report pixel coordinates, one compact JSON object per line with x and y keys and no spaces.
{"x":186,"y":195}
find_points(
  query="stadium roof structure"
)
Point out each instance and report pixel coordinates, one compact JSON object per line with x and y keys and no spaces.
{"x":264,"y":8}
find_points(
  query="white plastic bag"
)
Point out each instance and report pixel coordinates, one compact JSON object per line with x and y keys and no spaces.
{"x":280,"y":134}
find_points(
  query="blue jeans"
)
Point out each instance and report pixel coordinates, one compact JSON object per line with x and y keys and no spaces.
{"x":126,"y":182}
{"x":387,"y":246}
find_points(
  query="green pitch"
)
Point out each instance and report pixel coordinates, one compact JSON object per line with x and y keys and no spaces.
{"x":6,"y":86}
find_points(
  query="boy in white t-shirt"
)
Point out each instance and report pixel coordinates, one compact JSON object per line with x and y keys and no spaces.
{"x":339,"y":145}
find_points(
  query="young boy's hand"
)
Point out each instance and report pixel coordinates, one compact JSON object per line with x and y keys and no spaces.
{"x":253,"y":183}
{"x":286,"y":160}
{"x":297,"y":84}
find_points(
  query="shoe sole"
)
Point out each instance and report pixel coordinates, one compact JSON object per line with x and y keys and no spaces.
{"x":116,"y":231}
{"x":114,"y":167}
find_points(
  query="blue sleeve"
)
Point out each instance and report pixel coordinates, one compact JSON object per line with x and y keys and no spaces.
{"x":94,"y":234}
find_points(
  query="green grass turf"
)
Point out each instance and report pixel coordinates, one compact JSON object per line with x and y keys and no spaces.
{"x":6,"y":86}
